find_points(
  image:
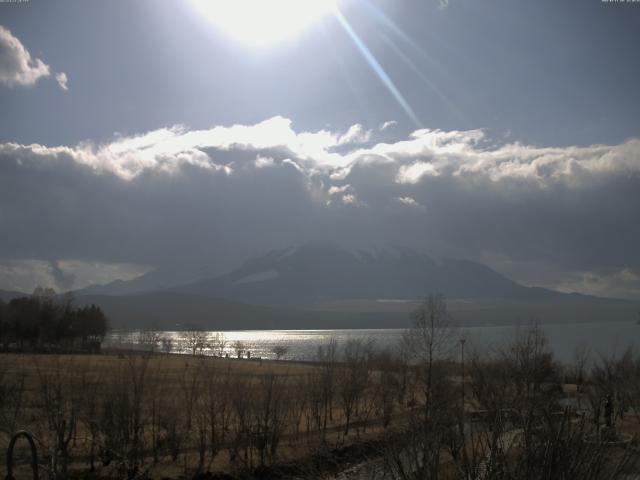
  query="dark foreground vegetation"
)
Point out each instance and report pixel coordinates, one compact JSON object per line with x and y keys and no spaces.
{"x":43,"y":322}
{"x":423,"y":411}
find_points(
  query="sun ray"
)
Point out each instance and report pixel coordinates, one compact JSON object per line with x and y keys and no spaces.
{"x":377,"y":68}
{"x":424,"y":78}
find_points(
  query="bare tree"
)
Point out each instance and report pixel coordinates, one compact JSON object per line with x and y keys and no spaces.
{"x":581,"y":356}
{"x":217,"y":408}
{"x":430,"y":339}
{"x":149,"y":340}
{"x":431,"y":426}
{"x":239,"y":348}
{"x":327,"y":357}
{"x":59,"y":406}
{"x":268,"y":415}
{"x":520,"y":431}
{"x":217,"y":343}
{"x":353,"y":378}
{"x":298,"y":401}
{"x":241,"y":396}
{"x":195,"y":340}
{"x":387,"y":388}
{"x":314,"y":388}
{"x":280,"y":351}
{"x":91,"y":387}
{"x":122,"y":415}
{"x":190,"y":386}
{"x":167,"y":343}
{"x":12,"y":399}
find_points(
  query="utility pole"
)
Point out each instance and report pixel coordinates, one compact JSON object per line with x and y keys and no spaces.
{"x":462,"y":341}
{"x":462,"y":432}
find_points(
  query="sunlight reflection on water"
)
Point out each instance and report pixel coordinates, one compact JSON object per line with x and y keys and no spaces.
{"x":600,"y":338}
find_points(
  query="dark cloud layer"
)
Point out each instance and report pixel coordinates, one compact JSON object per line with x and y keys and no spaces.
{"x":217,"y":196}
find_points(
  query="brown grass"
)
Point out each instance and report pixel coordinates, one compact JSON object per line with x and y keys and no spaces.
{"x":164,"y":382}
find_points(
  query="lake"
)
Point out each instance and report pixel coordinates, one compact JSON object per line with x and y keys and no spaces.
{"x":564,"y":339}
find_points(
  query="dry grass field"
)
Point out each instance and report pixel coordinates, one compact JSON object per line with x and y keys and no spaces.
{"x":157,"y":415}
{"x":135,"y":415}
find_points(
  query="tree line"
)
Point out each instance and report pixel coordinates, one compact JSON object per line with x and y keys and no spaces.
{"x":44,"y":321}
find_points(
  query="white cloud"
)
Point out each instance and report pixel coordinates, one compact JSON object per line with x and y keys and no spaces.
{"x":18,"y":67}
{"x":288,"y":161}
{"x":129,"y":156}
{"x":339,"y":190}
{"x":413,"y":173}
{"x":264,"y":162}
{"x":549,"y":164}
{"x":386,"y":125}
{"x":424,"y":153}
{"x":355,"y":135}
{"x":409,"y":201}
{"x":61,"y":78}
{"x":352,"y":199}
{"x":345,"y":195}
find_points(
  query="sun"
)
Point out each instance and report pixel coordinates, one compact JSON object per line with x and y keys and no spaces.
{"x":264,"y":22}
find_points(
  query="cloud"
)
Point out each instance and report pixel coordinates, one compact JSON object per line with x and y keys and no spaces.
{"x":16,"y":65}
{"x":24,"y":275}
{"x":344,"y":195}
{"x":61,"y":78}
{"x":355,"y":135}
{"x":169,"y":149}
{"x":63,"y":280}
{"x":413,"y":173}
{"x":335,"y":190}
{"x":409,"y":201}
{"x":386,"y":125}
{"x":18,"y":68}
{"x":263,"y":162}
{"x":219,"y":195}
{"x":350,"y":199}
{"x":619,"y":284}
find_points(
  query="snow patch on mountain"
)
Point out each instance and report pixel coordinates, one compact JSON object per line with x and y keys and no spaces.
{"x":259,"y":277}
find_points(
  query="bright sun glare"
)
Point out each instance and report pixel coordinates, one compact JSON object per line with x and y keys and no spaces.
{"x":264,"y":22}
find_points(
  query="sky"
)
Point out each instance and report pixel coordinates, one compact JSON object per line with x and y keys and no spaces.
{"x":142,"y":135}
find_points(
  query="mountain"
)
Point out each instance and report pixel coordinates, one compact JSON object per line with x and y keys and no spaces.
{"x":313,"y":275}
{"x":159,"y":279}
{"x":7,"y":295}
{"x":323,"y":286}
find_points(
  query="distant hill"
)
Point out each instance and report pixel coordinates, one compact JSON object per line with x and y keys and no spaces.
{"x":158,"y":279}
{"x":7,"y":295}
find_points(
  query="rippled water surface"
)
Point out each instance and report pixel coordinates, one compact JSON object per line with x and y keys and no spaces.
{"x":564,"y":339}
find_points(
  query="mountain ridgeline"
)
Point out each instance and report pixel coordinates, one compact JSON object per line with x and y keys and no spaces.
{"x":324,"y":286}
{"x":315,"y":274}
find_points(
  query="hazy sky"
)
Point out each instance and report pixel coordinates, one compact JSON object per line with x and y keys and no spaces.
{"x":137,"y":134}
